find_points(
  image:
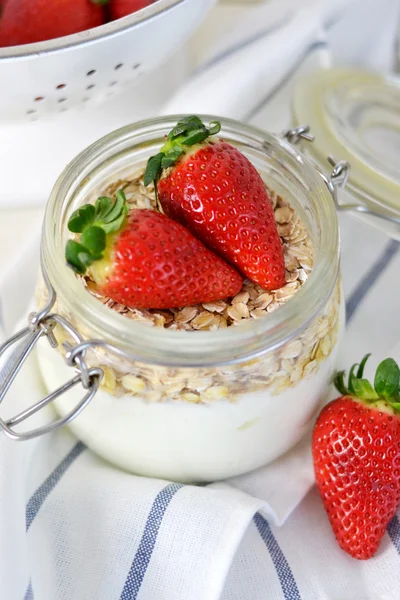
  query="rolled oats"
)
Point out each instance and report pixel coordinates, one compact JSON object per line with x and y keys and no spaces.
{"x":292,"y":349}
{"x":257,"y":313}
{"x":216,"y":392}
{"x":241,"y":298}
{"x":285,"y":229}
{"x":109,"y":381}
{"x":233,"y":313}
{"x":263,"y":300}
{"x":186,"y":314}
{"x":283,"y":214}
{"x":217,"y":307}
{"x":203,"y":320}
{"x":133,"y":384}
{"x":190,"y":397}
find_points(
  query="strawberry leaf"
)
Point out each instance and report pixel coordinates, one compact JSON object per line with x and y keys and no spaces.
{"x":102,"y":207}
{"x":94,"y":241}
{"x":187,"y":132}
{"x":364,"y":390}
{"x":340,"y":384}
{"x":77,"y":257}
{"x":177,"y":130}
{"x":361,"y":367}
{"x":352,"y":378}
{"x":114,"y":225}
{"x":387,"y":379}
{"x":81,"y":218}
{"x":153,"y":168}
{"x":94,"y":223}
{"x":117,"y":210}
{"x":169,"y":159}
{"x":197,"y":136}
{"x":214,"y":127}
{"x":184,"y":126}
{"x":193,"y":120}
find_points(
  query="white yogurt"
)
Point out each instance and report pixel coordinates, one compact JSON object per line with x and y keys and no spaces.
{"x":190,"y":442}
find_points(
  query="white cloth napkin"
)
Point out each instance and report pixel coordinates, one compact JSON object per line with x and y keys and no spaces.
{"x":73,"y":527}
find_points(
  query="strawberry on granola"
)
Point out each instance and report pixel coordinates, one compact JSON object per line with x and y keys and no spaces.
{"x":211,"y":188}
{"x":144,"y":259}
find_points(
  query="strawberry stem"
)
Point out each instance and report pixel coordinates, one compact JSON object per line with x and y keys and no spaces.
{"x":188,"y":131}
{"x":94,"y":223}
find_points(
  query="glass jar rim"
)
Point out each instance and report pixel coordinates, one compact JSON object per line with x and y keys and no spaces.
{"x":157,"y":345}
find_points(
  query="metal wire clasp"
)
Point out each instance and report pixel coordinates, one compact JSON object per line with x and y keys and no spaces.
{"x":41,"y":324}
{"x":338,"y":178}
{"x":341,"y":169}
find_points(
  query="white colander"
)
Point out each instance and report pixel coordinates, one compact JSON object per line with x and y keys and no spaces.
{"x":52,"y":76}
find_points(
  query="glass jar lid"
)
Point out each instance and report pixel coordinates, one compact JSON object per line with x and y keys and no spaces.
{"x":356,"y":115}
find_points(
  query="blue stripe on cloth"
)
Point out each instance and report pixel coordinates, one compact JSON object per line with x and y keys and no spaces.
{"x":284,"y":572}
{"x":37,"y":499}
{"x":29,"y":592}
{"x":393,"y":530}
{"x":370,"y":278}
{"x":143,"y":554}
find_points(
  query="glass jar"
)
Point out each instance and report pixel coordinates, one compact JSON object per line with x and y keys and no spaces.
{"x":196,"y":405}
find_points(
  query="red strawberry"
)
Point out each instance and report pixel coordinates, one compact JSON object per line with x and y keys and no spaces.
{"x":27,"y":21}
{"x":214,"y":190}
{"x":356,"y":451}
{"x":144,"y":259}
{"x":122,"y":8}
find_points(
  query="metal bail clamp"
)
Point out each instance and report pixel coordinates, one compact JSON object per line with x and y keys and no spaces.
{"x":341,"y":169}
{"x":338,"y":178}
{"x":42,"y":324}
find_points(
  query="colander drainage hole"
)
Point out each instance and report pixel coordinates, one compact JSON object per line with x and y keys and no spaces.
{"x":91,"y":72}
{"x":61,"y":100}
{"x":112,"y":83}
{"x":118,"y":66}
{"x":136,"y":66}
{"x":61,"y":86}
{"x":31,"y":111}
{"x":39,"y":98}
{"x":91,"y":86}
